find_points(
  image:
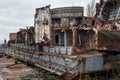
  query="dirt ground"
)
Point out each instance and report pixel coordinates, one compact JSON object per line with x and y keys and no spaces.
{"x":12,"y":71}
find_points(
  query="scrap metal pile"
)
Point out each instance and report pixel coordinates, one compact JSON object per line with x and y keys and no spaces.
{"x":63,"y":40}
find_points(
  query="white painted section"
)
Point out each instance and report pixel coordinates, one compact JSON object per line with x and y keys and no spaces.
{"x":118,"y":25}
{"x":65,"y":38}
{"x":118,"y":14}
{"x":40,"y":28}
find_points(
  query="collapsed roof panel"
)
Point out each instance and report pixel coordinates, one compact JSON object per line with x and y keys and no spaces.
{"x":109,"y":40}
{"x":110,"y":10}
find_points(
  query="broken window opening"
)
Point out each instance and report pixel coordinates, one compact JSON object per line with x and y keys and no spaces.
{"x":79,"y":40}
{"x":93,"y":23}
{"x":56,"y":39}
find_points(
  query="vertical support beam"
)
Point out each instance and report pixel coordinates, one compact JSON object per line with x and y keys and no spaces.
{"x":37,"y":47}
{"x":74,"y":30}
{"x":65,"y":38}
{"x":51,"y":37}
{"x":26,"y":38}
{"x":60,"y":39}
{"x":101,"y":2}
{"x":96,"y":38}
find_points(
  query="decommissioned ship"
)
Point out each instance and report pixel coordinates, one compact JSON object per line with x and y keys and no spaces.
{"x":63,"y":40}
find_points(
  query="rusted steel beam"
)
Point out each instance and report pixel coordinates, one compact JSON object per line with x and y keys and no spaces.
{"x":74,"y":30}
{"x":51,"y":36}
{"x":46,"y":68}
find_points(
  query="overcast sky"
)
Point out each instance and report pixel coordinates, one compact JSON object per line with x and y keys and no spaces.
{"x":16,"y":14}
